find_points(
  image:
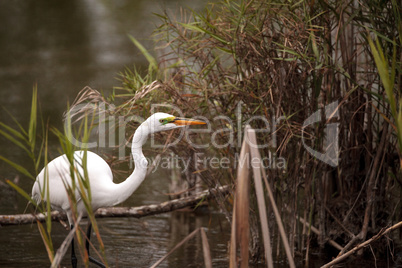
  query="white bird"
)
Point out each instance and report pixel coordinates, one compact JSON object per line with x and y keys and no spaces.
{"x":104,"y":191}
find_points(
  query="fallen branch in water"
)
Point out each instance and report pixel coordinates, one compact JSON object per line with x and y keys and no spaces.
{"x":362,"y":245}
{"x":136,"y":212}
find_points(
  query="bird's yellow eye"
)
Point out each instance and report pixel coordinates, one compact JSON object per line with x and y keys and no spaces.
{"x":166,"y":120}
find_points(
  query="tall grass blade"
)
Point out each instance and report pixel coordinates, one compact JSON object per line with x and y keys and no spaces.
{"x":387,"y":80}
{"x":206,"y":250}
{"x":203,"y":30}
{"x":255,"y":155}
{"x":278,"y":218}
{"x":153,"y":65}
{"x":243,"y":203}
{"x":23,"y":131}
{"x":48,"y":205}
{"x":33,"y":119}
{"x":47,"y":241}
{"x":18,"y":167}
{"x":13,"y":136}
{"x":23,"y":139}
{"x":21,"y":192}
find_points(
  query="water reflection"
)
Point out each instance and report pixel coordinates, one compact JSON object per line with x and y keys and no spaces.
{"x":128,"y":242}
{"x":217,"y":228}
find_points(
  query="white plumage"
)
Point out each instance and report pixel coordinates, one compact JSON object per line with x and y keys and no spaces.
{"x":104,"y":191}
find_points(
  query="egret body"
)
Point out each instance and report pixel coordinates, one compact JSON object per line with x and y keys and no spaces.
{"x":104,"y":191}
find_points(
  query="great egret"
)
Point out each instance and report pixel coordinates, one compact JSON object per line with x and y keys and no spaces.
{"x":104,"y":191}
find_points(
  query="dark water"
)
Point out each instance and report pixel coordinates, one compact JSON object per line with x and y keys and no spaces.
{"x":128,"y":242}
{"x":63,"y":46}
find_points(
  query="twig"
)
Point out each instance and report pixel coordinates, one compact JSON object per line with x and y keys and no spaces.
{"x":64,"y":246}
{"x":278,"y":220}
{"x":371,"y":182}
{"x":175,"y":247}
{"x":362,"y":245}
{"x":339,"y":222}
{"x":317,"y":232}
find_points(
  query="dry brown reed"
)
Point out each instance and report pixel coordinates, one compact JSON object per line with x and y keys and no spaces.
{"x":251,"y":159}
{"x":283,"y":62}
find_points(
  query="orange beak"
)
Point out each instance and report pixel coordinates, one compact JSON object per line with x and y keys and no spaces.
{"x":187,"y":122}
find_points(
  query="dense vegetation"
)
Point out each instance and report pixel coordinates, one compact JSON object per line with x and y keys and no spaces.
{"x":282,"y":62}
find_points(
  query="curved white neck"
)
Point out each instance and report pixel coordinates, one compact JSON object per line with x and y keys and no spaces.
{"x":127,"y":188}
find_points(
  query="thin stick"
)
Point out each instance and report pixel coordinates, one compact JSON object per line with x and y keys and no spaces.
{"x":255,"y":155}
{"x":339,"y":222}
{"x":282,"y":232}
{"x":362,"y":245}
{"x":371,"y":182}
{"x":66,"y":243}
{"x":175,"y":247}
{"x":317,"y":232}
{"x":206,"y":249}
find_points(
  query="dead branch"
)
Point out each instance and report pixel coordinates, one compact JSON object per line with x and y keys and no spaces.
{"x":317,"y":232}
{"x":136,"y":212}
{"x":362,"y":245}
{"x":176,"y":247}
{"x":371,"y":183}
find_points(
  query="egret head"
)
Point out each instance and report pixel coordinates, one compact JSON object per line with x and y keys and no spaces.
{"x":162,"y":122}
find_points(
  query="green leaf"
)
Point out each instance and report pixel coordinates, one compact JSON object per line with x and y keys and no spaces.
{"x":13,"y":131}
{"x":383,"y":71}
{"x":152,"y":62}
{"x":225,"y":49}
{"x":48,"y":242}
{"x":202,"y":30}
{"x":14,"y":140}
{"x":17,"y":123}
{"x":33,"y":119}
{"x":18,"y":167}
{"x":21,"y":192}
